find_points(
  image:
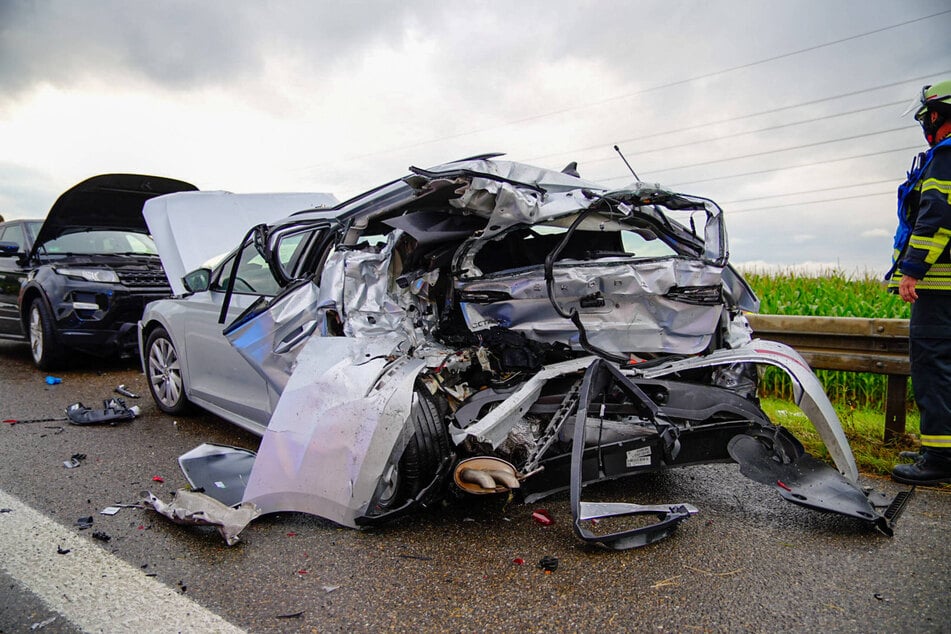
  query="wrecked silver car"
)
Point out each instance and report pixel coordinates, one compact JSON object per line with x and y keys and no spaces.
{"x":487,"y":326}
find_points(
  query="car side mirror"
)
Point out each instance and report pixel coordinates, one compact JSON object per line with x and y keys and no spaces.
{"x":197,"y":281}
{"x":9,"y":249}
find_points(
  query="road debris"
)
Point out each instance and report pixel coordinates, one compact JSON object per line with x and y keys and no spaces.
{"x":74,"y":461}
{"x":197,"y":509}
{"x":548,"y":563}
{"x":122,"y":390}
{"x":39,"y":625}
{"x":543,"y":517}
{"x":113,"y":411}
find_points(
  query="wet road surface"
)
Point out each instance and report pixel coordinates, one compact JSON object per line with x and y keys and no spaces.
{"x":748,"y":562}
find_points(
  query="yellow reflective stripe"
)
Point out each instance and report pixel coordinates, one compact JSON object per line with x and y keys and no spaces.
{"x":943,"y":187}
{"x":935,"y":441}
{"x":933,"y":285}
{"x":934,"y":245}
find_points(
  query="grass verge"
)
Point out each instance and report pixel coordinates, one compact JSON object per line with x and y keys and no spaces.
{"x":863,"y":427}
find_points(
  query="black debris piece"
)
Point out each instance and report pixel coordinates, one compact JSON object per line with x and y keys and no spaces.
{"x":61,"y":551}
{"x":84,"y":522}
{"x":101,"y":536}
{"x":548,"y":563}
{"x":292,"y":615}
{"x":113,"y":411}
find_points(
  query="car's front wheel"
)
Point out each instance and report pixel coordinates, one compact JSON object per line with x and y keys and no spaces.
{"x":43,"y":345}
{"x":163,"y":371}
{"x":427,"y":447}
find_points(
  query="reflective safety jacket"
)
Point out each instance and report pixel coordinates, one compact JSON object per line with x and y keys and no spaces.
{"x":921,"y":247}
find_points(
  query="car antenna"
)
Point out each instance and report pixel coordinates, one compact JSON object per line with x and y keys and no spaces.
{"x":618,"y":150}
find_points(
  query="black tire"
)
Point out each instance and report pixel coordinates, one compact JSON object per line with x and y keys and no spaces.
{"x":426,"y":450}
{"x":163,"y":372}
{"x":44,"y":348}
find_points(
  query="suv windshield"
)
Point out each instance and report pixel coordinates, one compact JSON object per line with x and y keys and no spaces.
{"x":99,"y":242}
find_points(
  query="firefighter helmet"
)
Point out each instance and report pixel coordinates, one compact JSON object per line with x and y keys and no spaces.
{"x":933,"y":109}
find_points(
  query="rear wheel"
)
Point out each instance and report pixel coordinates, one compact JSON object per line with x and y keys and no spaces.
{"x":425,"y":451}
{"x":43,"y":346}
{"x":164,"y":373}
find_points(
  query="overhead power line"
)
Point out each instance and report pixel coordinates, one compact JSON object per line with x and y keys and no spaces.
{"x":810,"y":202}
{"x":777,"y":169}
{"x":644,"y":90}
{"x":771,"y":128}
{"x":807,"y":191}
{"x":779,"y":150}
{"x":749,"y":115}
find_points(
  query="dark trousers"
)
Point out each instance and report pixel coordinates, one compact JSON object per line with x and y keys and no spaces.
{"x":930,"y":341}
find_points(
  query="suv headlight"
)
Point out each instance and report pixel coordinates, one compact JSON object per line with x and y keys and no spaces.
{"x":106,"y":276}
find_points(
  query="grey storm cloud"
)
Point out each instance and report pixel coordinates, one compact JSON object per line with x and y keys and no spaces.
{"x":176,"y":44}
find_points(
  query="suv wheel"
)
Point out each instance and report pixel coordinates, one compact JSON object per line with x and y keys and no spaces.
{"x":43,"y":348}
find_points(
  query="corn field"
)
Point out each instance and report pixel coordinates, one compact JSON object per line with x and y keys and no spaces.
{"x":832,"y":294}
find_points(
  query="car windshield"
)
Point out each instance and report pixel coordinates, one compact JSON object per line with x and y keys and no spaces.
{"x":100,"y":242}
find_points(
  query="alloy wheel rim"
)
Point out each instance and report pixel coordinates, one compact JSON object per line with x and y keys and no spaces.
{"x":165,"y":373}
{"x":36,"y":334}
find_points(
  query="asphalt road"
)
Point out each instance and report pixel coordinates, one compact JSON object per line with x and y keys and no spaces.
{"x":748,"y":562}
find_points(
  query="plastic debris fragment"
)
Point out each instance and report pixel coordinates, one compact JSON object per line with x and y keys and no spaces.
{"x":41,"y":624}
{"x":74,"y":460}
{"x":113,"y":411}
{"x":122,"y":390}
{"x":53,"y":380}
{"x":543,"y":517}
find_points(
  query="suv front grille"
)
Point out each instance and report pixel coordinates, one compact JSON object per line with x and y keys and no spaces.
{"x":142,"y":278}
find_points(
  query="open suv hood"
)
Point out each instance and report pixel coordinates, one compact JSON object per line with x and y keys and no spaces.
{"x":108,"y":201}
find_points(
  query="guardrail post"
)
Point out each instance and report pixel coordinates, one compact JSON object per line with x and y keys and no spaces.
{"x":896,"y":392}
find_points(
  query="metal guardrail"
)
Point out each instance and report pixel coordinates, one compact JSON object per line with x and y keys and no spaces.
{"x":849,"y":344}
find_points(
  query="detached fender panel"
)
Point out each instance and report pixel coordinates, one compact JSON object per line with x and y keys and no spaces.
{"x":335,"y":427}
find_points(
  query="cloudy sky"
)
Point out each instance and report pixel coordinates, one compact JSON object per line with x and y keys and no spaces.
{"x":788,"y":113}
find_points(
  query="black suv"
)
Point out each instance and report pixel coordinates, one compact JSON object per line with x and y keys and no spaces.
{"x":79,"y":280}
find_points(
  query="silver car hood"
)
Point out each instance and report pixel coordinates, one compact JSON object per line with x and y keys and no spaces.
{"x":189,"y":228}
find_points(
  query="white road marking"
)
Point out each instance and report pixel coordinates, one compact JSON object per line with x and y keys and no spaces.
{"x":96,"y":591}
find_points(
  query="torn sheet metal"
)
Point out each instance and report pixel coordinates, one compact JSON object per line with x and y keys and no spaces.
{"x":218,"y":470}
{"x":631,"y":312}
{"x":807,"y":391}
{"x":338,"y":422}
{"x":197,"y":509}
{"x":514,"y":192}
{"x":360,"y":285}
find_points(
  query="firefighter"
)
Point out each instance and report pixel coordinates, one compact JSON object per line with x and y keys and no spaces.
{"x":921,"y":275}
